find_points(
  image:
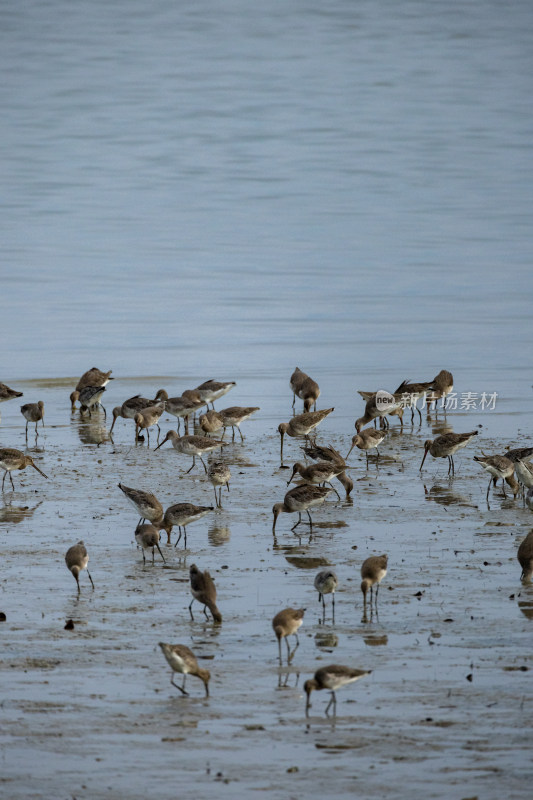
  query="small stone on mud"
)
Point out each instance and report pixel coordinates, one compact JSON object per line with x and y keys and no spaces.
{"x":69,"y":625}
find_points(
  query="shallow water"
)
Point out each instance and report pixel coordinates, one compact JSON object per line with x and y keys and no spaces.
{"x":196,"y":192}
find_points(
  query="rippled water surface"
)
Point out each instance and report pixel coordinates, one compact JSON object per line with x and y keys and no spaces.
{"x":206,"y":190}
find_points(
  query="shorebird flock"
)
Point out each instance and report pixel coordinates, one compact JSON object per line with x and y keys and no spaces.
{"x":316,"y":487}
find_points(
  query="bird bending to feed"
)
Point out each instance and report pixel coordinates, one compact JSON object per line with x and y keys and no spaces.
{"x":317,"y":474}
{"x":227,"y":418}
{"x":33,"y":412}
{"x":146,"y":419}
{"x":182,"y":514}
{"x":373,"y":571}
{"x":76,"y":559}
{"x":326,"y":583}
{"x":375,"y":410}
{"x":367,"y":439}
{"x":305,"y":388}
{"x":192,"y":446}
{"x":498,"y":467}
{"x":133,"y":405}
{"x":90,"y":397}
{"x":183,"y":660}
{"x":299,"y":499}
{"x":147,"y":537}
{"x":412,"y":393}
{"x":328,"y":453}
{"x":332,"y":678}
{"x":285,"y":624}
{"x":525,"y":557}
{"x":146,"y":504}
{"x":445,"y":446}
{"x":302,"y":425}
{"x":209,"y":391}
{"x":203,"y":589}
{"x":11,"y":459}
{"x":93,"y":377}
{"x":8,"y":394}
{"x":219,"y":475}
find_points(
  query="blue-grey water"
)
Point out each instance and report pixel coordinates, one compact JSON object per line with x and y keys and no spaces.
{"x":196,"y":190}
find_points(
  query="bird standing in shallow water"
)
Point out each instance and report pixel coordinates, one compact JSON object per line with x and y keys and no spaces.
{"x":302,"y":425}
{"x":183,"y":660}
{"x":203,"y":589}
{"x":11,"y":459}
{"x":497,"y":467}
{"x":146,"y":419}
{"x":192,"y":446}
{"x":285,"y":624}
{"x":367,"y":439}
{"x":299,"y":499}
{"x":93,"y":377}
{"x":333,"y":677}
{"x":326,"y":583}
{"x":90,"y":397}
{"x":147,"y":537}
{"x":182,"y":514}
{"x":209,"y":391}
{"x":33,"y":412}
{"x":305,"y":388}
{"x":76,"y":559}
{"x":319,"y":473}
{"x":219,"y":475}
{"x":445,"y":446}
{"x":373,"y":571}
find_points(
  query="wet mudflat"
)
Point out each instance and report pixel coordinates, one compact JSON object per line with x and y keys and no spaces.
{"x":90,"y":712}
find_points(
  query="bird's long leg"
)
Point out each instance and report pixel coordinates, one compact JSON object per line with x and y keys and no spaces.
{"x":332,"y":701}
{"x":192,"y":465}
{"x":216,"y":497}
{"x":184,"y":537}
{"x":160,"y":553}
{"x":5,"y":473}
{"x":179,"y":536}
{"x":190,"y":608}
{"x":148,"y":436}
{"x":453,"y":465}
{"x":11,"y":479}
{"x":288,"y":650}
{"x":242,"y":437}
{"x":299,"y":520}
{"x":205,"y":612}
{"x":177,"y":686}
{"x":203,"y":462}
{"x":89,"y":574}
{"x":488,"y":489}
{"x":144,"y":559}
{"x":279,"y":649}
{"x":310,"y":520}
{"x":158,"y":433}
{"x":336,"y":492}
